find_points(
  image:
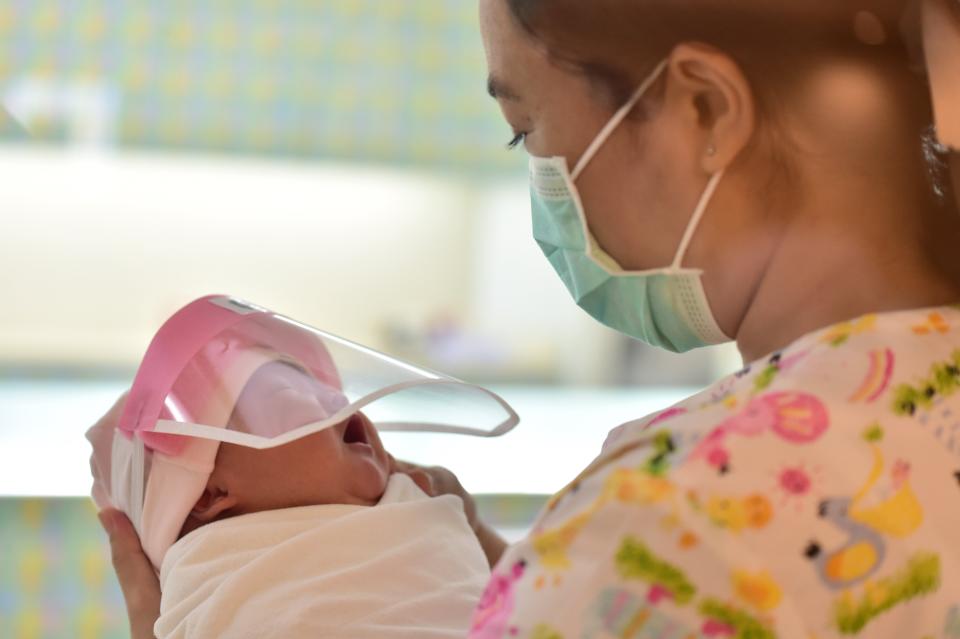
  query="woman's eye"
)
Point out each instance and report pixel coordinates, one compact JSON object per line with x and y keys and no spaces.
{"x":517,"y":139}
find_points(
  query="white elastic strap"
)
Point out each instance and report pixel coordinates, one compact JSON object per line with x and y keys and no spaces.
{"x":137,"y":470}
{"x":615,"y":121}
{"x":188,"y":429}
{"x":174,"y":427}
{"x":695,"y":220}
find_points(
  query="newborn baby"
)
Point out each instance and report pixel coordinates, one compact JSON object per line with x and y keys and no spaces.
{"x":344,"y":464}
{"x":312,"y":538}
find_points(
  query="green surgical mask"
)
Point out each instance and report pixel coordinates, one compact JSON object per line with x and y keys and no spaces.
{"x":665,"y":307}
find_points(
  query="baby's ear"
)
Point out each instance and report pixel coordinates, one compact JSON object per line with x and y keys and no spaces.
{"x":212,"y":504}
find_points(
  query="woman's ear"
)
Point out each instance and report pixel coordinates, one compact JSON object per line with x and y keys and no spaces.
{"x":716,"y":99}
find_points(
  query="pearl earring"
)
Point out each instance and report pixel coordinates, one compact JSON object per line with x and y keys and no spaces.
{"x":711,"y":150}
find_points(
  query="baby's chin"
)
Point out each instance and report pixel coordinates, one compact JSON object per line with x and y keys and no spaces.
{"x":369,"y":480}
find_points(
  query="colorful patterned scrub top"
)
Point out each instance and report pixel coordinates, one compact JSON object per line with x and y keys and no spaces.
{"x":814,"y":494}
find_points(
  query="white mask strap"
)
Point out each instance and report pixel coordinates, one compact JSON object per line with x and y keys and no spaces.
{"x":616,"y":120}
{"x":697,"y":216}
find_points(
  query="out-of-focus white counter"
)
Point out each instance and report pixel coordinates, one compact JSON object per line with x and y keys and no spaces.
{"x":43,"y":451}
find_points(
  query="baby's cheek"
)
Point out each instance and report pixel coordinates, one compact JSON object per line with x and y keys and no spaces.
{"x":368,"y":481}
{"x":305,"y":471}
{"x":325,"y":446}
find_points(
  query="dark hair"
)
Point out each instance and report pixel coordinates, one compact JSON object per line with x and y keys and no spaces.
{"x":623,"y":39}
{"x":617,"y":42}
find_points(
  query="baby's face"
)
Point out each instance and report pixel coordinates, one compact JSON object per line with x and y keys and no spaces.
{"x":344,"y":464}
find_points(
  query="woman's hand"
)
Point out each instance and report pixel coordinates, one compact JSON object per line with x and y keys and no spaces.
{"x":435,"y":481}
{"x":141,"y":589}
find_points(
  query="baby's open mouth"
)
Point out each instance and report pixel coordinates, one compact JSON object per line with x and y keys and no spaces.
{"x":355,"y":432}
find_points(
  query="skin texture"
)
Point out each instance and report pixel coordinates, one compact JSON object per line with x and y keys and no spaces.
{"x":855,"y":230}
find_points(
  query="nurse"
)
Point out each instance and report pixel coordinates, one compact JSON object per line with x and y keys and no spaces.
{"x":764,"y":171}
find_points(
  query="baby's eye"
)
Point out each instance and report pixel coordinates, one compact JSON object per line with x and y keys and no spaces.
{"x":517,"y":139}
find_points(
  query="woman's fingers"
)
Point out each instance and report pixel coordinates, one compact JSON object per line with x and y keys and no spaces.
{"x":423,"y":480}
{"x":141,"y":589}
{"x":404,"y":467}
{"x":421,"y":476}
{"x":437,"y":480}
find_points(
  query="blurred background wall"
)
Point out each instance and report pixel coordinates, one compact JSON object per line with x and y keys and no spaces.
{"x":337,"y":161}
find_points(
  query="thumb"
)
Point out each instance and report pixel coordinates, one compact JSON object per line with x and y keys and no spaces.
{"x":125,"y":546}
{"x":139,"y":583}
{"x":423,"y":480}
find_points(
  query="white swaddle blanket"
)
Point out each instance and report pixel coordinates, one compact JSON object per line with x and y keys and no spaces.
{"x":408,"y":568}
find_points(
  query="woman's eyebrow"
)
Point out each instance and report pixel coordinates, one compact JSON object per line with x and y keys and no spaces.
{"x":498,"y":90}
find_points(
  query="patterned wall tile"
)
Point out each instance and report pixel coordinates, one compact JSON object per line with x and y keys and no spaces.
{"x":398,"y":81}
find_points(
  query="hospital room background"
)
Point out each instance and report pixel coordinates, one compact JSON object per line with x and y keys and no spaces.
{"x":336,"y":161}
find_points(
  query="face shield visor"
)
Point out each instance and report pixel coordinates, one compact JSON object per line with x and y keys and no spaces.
{"x":225,"y":370}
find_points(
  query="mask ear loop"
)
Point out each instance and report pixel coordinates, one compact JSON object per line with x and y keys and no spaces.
{"x":615,"y":121}
{"x":695,"y":220}
{"x":608,"y":130}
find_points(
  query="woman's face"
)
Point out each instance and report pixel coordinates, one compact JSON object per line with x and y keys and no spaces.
{"x":560,"y":111}
{"x":640,"y":190}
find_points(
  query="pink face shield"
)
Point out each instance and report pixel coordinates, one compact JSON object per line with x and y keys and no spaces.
{"x":297,"y":380}
{"x":224,"y":370}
